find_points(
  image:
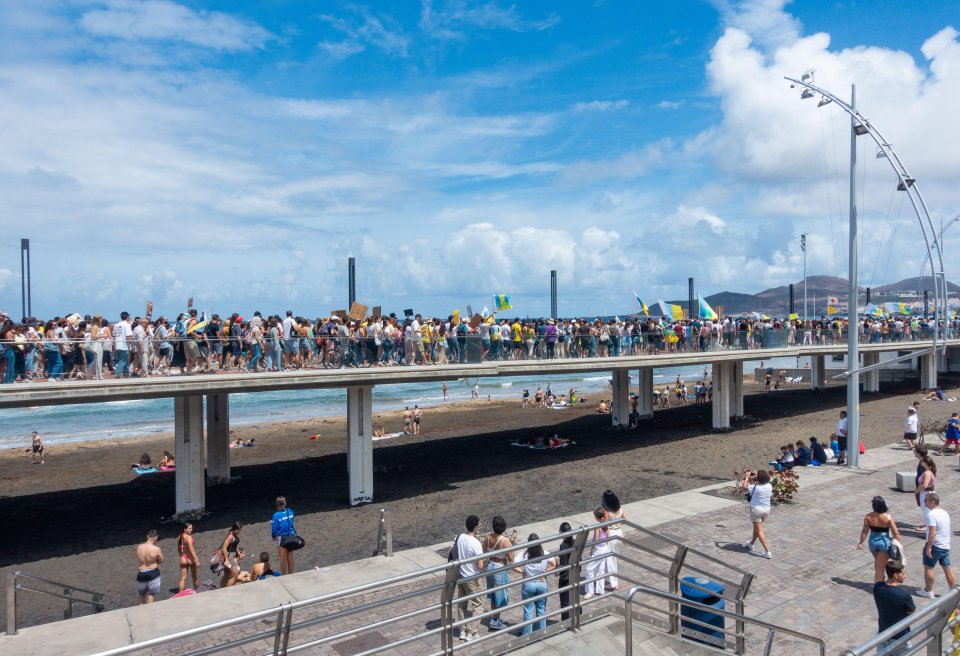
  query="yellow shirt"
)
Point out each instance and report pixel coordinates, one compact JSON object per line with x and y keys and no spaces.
{"x":425,"y":332}
{"x":516,"y":329}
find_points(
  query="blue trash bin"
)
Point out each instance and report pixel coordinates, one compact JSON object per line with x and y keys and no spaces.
{"x":711,"y":596}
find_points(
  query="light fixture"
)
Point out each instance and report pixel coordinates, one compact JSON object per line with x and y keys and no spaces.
{"x":860,"y":129}
{"x":881,"y":153}
{"x":907,"y":181}
{"x":824,"y":101}
{"x":806,"y":93}
{"x":808,"y":76}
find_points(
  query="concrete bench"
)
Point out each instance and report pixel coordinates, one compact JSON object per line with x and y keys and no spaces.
{"x":907,"y":481}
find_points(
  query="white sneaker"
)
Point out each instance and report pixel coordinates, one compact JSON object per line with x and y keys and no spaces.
{"x":767,"y":555}
{"x":926,"y":594}
{"x":748,"y":546}
{"x":497,"y":625}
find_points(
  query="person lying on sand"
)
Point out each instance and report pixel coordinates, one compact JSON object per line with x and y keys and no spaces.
{"x":143,"y":463}
{"x":934,"y":395}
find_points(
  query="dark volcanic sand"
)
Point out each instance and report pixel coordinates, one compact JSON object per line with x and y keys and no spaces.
{"x":56,"y":527}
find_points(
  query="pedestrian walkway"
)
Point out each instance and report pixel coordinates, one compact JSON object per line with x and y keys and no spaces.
{"x":816,"y":583}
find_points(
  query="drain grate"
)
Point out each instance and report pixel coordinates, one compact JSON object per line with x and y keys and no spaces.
{"x":361,"y":643}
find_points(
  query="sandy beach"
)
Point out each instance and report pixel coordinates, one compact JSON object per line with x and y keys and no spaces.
{"x":77,"y":517}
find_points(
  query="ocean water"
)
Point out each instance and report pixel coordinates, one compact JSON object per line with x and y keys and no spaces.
{"x":101,"y":421}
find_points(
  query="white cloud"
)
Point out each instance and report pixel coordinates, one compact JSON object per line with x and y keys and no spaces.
{"x":362,"y":27}
{"x":452,"y":20}
{"x":601,"y":105}
{"x":670,"y":104}
{"x":765,"y":20}
{"x":166,"y":20}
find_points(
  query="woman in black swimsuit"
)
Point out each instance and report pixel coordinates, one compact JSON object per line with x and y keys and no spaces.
{"x":231,"y":545}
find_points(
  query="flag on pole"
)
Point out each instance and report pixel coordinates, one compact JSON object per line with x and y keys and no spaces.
{"x":501,"y":302}
{"x":643,"y":306}
{"x":832,"y":302}
{"x":706,"y":312}
{"x":793,"y":316}
{"x":675,"y":312}
{"x":872,"y":310}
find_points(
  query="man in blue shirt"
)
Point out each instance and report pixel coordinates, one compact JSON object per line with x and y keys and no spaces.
{"x":953,"y":434}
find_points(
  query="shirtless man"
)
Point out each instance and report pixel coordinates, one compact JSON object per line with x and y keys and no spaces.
{"x":37,"y":447}
{"x":417,"y":415}
{"x":407,"y":421}
{"x":149,"y":559}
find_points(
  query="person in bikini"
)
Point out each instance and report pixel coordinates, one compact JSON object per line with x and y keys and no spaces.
{"x":149,"y":559}
{"x":189,"y":561}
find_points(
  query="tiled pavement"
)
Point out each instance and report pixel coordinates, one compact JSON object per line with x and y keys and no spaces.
{"x":816,"y":583}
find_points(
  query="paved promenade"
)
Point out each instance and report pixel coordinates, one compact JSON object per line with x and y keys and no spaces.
{"x":816,"y":582}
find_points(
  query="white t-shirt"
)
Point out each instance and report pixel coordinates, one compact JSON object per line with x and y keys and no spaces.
{"x":939,"y":518}
{"x":538,"y":568}
{"x":842,"y":427}
{"x":467,"y":547}
{"x":121,"y":333}
{"x":910,"y":425}
{"x":760,"y":499}
{"x":287,"y":326}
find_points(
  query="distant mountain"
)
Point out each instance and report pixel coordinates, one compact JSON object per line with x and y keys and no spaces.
{"x":913,"y":285}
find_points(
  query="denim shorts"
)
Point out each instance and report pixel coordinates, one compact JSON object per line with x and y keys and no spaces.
{"x":941,"y":556}
{"x":878,"y":542}
{"x":291,"y":346}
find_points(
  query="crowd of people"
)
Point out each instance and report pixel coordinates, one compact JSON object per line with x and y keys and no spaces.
{"x":78,"y":347}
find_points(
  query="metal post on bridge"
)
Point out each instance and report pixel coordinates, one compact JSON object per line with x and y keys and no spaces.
{"x":793,"y":309}
{"x":553,"y":293}
{"x":25,"y":278}
{"x":690,"y":309}
{"x":352,"y":281}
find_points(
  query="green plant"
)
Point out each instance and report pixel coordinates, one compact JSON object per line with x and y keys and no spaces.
{"x":785,"y":484}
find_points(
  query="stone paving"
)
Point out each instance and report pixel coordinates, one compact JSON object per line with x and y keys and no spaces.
{"x":816,"y":583}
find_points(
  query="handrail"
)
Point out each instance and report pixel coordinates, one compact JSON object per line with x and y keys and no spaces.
{"x":739,"y":617}
{"x":287,"y":624}
{"x":932,"y":619}
{"x":14,"y":587}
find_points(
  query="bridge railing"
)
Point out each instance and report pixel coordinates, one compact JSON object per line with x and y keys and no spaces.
{"x":419,"y":611}
{"x":18,"y":583}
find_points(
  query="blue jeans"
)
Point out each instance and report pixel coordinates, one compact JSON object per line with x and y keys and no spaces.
{"x":532,"y":589}
{"x":52,"y":362}
{"x":121,"y":364}
{"x":11,"y":359}
{"x":254,"y":358}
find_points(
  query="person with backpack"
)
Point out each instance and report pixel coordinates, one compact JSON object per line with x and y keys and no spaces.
{"x":758,"y":493}
{"x":465,"y":546}
{"x":281,"y":529}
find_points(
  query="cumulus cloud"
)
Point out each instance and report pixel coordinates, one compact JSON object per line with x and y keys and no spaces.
{"x":166,"y":20}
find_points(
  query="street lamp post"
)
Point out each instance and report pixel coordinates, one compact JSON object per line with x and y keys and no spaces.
{"x":803,"y":247}
{"x":860,"y":126}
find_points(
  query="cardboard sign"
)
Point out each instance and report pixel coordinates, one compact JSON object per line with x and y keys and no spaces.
{"x":408,"y":312}
{"x":339,"y":313}
{"x":149,"y":310}
{"x":475,"y":321}
{"x":358,"y":311}
{"x":377,"y":311}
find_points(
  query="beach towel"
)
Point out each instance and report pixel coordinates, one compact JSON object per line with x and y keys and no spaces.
{"x":388,"y":436}
{"x":150,"y":470}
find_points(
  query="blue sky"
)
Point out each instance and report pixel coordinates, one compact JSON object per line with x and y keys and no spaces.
{"x":240,"y":152}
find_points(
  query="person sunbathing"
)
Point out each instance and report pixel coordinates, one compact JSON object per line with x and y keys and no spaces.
{"x":143,"y":463}
{"x":167,"y":461}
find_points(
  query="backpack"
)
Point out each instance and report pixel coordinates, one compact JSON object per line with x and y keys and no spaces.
{"x":453,"y":550}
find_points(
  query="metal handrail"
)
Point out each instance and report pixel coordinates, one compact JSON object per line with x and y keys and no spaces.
{"x":676,"y":600}
{"x":932,"y":619}
{"x":14,"y":586}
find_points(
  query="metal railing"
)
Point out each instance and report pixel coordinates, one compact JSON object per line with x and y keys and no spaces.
{"x":925,"y":631}
{"x":688,"y":627}
{"x":422,"y":607}
{"x":63,"y":591}
{"x":384,"y":536}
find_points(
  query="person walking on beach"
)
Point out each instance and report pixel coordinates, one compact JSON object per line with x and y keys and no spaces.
{"x":36,"y":448}
{"x":281,"y":527}
{"x":758,"y":494}
{"x":149,"y":559}
{"x":188,"y":557}
{"x":407,"y":421}
{"x":894,"y":604}
{"x":417,"y":415}
{"x":444,"y":391}
{"x":475,"y":394}
{"x":842,"y":438}
{"x":936,"y":550}
{"x":466,"y":545}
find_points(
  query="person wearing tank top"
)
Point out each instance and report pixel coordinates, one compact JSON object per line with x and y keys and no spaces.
{"x":880,"y":527}
{"x":498,"y":574}
{"x":926,"y":482}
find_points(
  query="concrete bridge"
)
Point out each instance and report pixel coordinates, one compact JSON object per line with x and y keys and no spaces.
{"x":203,"y":452}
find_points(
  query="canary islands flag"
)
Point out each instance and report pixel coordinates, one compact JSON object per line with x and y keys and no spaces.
{"x":706,"y":312}
{"x":501,"y":302}
{"x":675,"y":312}
{"x":643,"y":306}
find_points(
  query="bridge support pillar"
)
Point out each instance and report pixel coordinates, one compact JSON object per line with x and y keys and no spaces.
{"x":218,"y":439}
{"x":871,"y":379}
{"x":620,"y":401}
{"x":818,"y":372}
{"x":360,"y":443}
{"x":721,"y":396}
{"x":735,"y":376}
{"x":188,"y":431}
{"x":928,"y":371}
{"x":645,"y":393}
